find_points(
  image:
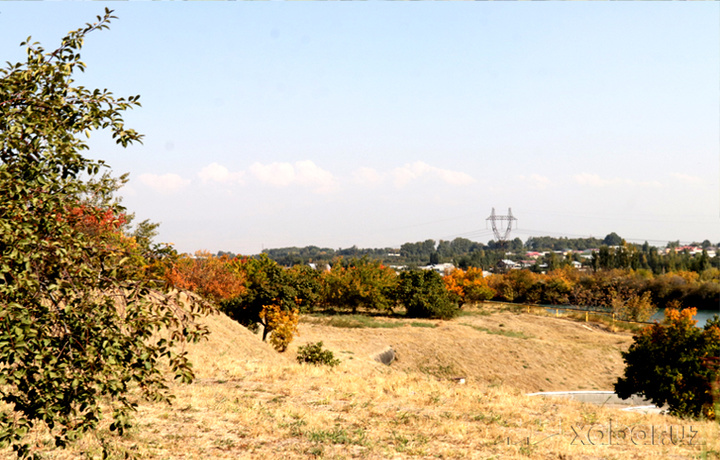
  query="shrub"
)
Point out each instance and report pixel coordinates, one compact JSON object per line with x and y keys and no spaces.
{"x":423,"y":294}
{"x":313,"y":353}
{"x":668,"y":364}
{"x":282,"y":324}
{"x":638,"y":307}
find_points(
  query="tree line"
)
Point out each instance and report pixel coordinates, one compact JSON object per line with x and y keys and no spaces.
{"x":611,"y":252}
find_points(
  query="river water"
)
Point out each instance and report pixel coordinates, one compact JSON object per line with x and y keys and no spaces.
{"x":701,"y":317}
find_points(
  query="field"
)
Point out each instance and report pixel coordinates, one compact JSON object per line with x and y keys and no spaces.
{"x":251,"y":402}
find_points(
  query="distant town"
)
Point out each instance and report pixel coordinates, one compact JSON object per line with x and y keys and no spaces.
{"x":539,"y":254}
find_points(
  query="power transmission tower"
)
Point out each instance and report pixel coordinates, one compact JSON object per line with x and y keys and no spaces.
{"x":494,"y":218}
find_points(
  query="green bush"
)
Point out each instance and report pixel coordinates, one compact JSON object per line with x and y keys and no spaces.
{"x":424,"y":295}
{"x":669,"y":363}
{"x":313,"y":353}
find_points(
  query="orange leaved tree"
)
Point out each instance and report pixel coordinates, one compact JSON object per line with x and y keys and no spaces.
{"x":468,"y":286}
{"x":211,"y":277}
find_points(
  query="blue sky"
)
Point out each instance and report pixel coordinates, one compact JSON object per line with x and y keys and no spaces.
{"x":374,"y":124}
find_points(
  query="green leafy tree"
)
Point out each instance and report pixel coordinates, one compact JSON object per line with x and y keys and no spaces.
{"x":667,"y":363}
{"x":268,"y":287}
{"x":360,"y":284}
{"x":424,"y":295}
{"x":308,"y":284}
{"x":79,"y":336}
{"x":613,"y":239}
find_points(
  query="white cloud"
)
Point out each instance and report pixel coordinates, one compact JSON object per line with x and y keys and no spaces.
{"x":164,"y":183}
{"x":303,"y":173}
{"x":688,"y":179}
{"x":311,"y":175}
{"x":413,"y":171}
{"x":367,"y":176}
{"x":215,"y":172}
{"x":454,"y":177}
{"x":277,"y":174}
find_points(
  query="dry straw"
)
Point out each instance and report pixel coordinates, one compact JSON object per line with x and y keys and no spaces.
{"x":251,"y":402}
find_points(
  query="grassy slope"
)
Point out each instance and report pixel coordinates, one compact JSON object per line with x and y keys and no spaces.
{"x":250,"y":402}
{"x":532,"y":353}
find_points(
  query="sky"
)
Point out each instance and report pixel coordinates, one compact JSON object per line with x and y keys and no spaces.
{"x":373,"y":124}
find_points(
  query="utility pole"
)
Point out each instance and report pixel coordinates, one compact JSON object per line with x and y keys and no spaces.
{"x":501,"y":235}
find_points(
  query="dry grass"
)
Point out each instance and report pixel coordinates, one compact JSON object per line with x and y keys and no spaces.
{"x":250,"y":402}
{"x":490,"y":345}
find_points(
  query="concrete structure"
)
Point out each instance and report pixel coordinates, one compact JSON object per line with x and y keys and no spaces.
{"x":386,"y":356}
{"x":605,"y":398}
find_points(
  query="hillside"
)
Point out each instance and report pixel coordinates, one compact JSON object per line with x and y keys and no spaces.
{"x":526,"y":352}
{"x":251,"y":402}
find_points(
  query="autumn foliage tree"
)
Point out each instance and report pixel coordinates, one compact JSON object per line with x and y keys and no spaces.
{"x":210,"y":276}
{"x":80,"y":337}
{"x":468,"y":286}
{"x":282,"y":324}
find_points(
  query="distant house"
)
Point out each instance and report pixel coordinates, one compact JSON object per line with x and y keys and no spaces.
{"x":507,"y":264}
{"x":440,"y":268}
{"x":325,"y":267}
{"x":692,"y":250}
